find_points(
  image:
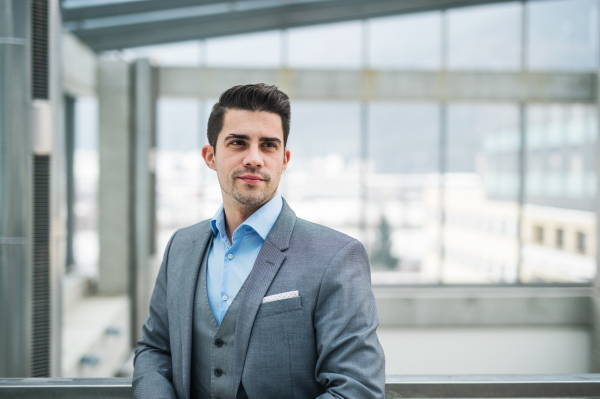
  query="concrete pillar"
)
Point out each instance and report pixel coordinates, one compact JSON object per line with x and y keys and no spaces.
{"x":127,"y":108}
{"x":144,"y":92}
{"x":31,"y":189}
{"x":69,"y":104}
{"x":596,"y":283}
{"x":115,"y":180}
{"x":15,"y":203}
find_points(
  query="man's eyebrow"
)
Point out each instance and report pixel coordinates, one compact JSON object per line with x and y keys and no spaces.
{"x":270,"y":139}
{"x":237,"y":136}
{"x":246,"y":137}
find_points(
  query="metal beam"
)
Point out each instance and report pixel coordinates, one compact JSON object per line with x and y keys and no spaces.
{"x":371,"y":85}
{"x":132,"y":7}
{"x":118,"y":32}
{"x":79,"y":67}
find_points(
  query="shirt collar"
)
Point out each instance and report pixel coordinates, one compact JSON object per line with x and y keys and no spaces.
{"x":261,"y":221}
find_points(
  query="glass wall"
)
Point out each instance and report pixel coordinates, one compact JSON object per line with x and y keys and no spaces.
{"x":559,"y":218}
{"x":562,"y":35}
{"x":322,"y":183}
{"x":481,"y":193}
{"x":403,"y":159}
{"x":437,"y":191}
{"x":485,"y":37}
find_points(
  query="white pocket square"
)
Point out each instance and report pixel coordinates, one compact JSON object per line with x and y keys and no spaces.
{"x":279,"y":297}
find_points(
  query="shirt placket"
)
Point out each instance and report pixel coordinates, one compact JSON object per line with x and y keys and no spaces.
{"x":229,"y":262}
{"x":226,"y":267}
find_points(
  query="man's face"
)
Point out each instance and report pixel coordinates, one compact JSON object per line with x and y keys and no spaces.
{"x":250,"y":156}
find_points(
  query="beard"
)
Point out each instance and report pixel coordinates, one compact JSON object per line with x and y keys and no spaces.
{"x":248,"y":194}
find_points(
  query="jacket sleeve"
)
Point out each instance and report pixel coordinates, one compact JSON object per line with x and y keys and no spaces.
{"x":153,"y":372}
{"x":351,"y":362}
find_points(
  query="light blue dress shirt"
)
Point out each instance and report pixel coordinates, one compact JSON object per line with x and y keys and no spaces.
{"x":230,"y":264}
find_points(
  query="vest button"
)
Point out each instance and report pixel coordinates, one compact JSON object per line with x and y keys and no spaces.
{"x":218,"y":342}
{"x":218,"y":372}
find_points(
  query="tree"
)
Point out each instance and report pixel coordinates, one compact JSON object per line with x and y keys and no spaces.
{"x":382,"y":250}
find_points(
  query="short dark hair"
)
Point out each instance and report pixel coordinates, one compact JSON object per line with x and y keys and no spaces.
{"x":253,"y":97}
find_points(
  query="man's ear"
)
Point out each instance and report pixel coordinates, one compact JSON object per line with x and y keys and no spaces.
{"x":286,"y":159}
{"x":208,"y":153}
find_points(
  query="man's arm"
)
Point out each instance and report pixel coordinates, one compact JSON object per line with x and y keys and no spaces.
{"x":351,"y":363}
{"x":153,"y":372}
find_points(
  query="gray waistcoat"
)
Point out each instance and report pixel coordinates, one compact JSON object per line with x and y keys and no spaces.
{"x":213,"y":354}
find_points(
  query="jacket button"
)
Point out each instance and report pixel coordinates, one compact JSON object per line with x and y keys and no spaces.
{"x":218,"y":372}
{"x":218,"y":342}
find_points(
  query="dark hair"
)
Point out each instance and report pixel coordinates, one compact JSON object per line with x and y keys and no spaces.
{"x":255,"y":97}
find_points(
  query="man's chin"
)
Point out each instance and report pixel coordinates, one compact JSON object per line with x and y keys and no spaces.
{"x":251,"y":200}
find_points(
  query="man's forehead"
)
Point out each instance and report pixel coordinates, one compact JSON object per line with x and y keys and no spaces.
{"x":255,"y":124}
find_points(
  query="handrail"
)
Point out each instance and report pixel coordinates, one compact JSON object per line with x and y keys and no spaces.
{"x":397,"y":386}
{"x":493,"y":386}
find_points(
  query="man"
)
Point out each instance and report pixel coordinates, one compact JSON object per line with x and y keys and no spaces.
{"x":257,"y":303}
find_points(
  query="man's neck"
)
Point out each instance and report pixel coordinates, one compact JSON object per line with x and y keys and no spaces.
{"x":235,"y":214}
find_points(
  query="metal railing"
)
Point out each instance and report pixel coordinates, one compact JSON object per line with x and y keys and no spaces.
{"x":405,"y":386}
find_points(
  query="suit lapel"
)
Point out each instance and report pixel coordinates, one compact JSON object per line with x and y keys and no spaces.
{"x":188,"y":280}
{"x":268,"y":262}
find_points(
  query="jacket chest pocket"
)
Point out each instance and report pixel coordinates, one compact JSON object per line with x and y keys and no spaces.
{"x":281,"y":306}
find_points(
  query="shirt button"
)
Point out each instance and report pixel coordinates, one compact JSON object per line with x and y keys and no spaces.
{"x":218,"y":342}
{"x":230,"y":256}
{"x":218,"y":372}
{"x":225,"y":297}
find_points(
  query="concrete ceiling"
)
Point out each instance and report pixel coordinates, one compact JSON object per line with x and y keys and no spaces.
{"x":112,"y":25}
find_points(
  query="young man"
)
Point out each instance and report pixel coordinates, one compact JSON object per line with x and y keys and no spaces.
{"x":257,"y":303}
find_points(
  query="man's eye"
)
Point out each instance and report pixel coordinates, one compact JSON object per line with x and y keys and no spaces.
{"x":237,"y":142}
{"x":272,"y":145}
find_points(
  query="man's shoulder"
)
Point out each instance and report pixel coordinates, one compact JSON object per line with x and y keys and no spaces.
{"x":192,"y":233}
{"x":320,"y":235}
{"x":316,"y":248}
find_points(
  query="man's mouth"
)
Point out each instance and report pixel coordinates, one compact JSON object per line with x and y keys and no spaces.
{"x":250,"y":179}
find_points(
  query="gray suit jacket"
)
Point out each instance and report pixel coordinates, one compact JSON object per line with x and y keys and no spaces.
{"x":321,"y":344}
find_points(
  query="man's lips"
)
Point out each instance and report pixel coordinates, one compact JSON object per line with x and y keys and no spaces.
{"x":250,"y":179}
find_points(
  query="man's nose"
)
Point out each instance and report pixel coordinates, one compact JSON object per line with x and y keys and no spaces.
{"x":253,"y":157}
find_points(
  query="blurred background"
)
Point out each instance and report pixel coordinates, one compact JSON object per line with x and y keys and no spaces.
{"x":456,"y":139}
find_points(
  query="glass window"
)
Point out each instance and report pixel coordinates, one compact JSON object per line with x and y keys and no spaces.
{"x":173,"y":54}
{"x":563,"y":34}
{"x":485,"y":37}
{"x":255,"y":50}
{"x":581,"y":246}
{"x":404,"y":138}
{"x":322,"y":182}
{"x":407,"y":41}
{"x":403,"y":162}
{"x":560,"y":238}
{"x":560,"y":190}
{"x":539,"y":234}
{"x":179,"y":165}
{"x":326,"y":46}
{"x":561,"y":156}
{"x":480,"y":241}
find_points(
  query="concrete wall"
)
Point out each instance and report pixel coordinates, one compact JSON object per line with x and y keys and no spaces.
{"x":487,"y":350}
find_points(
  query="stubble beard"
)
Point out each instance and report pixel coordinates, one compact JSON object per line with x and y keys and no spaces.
{"x":247,"y":194}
